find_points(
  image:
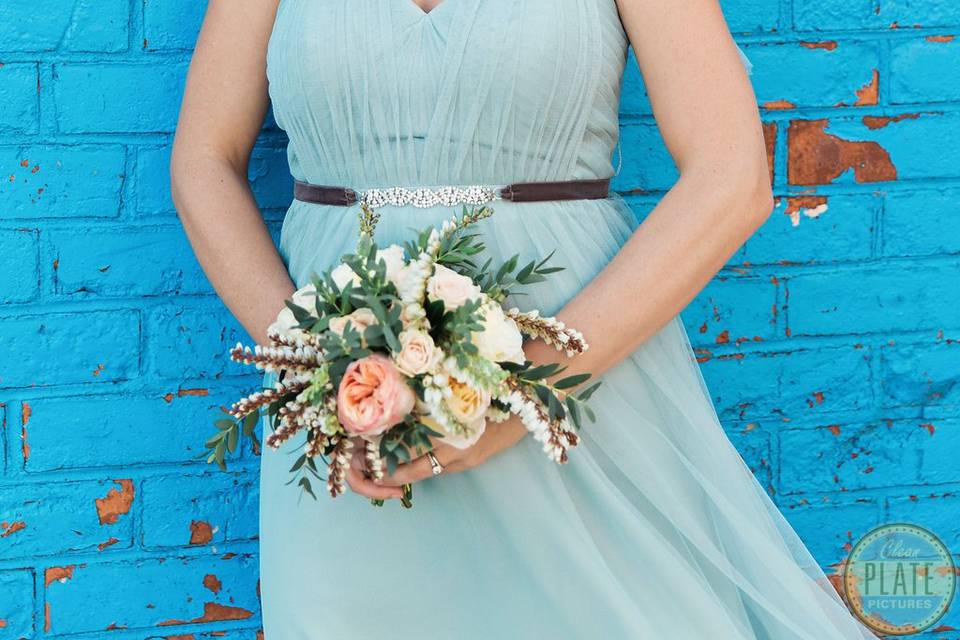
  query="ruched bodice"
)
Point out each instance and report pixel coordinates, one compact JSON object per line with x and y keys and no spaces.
{"x":379,"y":92}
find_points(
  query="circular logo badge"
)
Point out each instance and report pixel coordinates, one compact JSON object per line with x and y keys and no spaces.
{"x":899,"y":579}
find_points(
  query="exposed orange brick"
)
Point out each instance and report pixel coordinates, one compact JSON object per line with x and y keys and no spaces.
{"x":834,"y":429}
{"x":779,"y":105}
{"x":115,"y":503}
{"x":52,"y":574}
{"x":818,"y":157}
{"x":723,"y":337}
{"x":879,"y":122}
{"x":869,"y":93}
{"x":109,"y":542}
{"x":940,"y":38}
{"x":211,"y":582}
{"x":200,"y":532}
{"x":213,"y":612}
{"x":770,"y":137}
{"x":829,"y":45}
{"x":11,"y":528}
{"x":929,"y":427}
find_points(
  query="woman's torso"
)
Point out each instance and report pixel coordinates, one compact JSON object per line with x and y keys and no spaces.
{"x":381,"y":93}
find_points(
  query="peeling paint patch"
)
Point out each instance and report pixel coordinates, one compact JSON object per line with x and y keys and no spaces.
{"x":770,"y":138}
{"x":200,"y":532}
{"x":779,"y":105}
{"x":10,"y":528}
{"x":940,"y":38}
{"x":809,"y":206}
{"x":818,"y":157}
{"x":829,"y":45}
{"x":879,"y":122}
{"x":115,"y":503}
{"x":108,"y":543}
{"x":213,"y":612}
{"x":57,"y":574}
{"x":186,"y":392}
{"x":211,"y":582}
{"x":869,"y":94}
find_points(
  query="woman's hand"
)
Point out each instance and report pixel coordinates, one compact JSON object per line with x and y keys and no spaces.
{"x":358,"y":475}
{"x":498,"y":437}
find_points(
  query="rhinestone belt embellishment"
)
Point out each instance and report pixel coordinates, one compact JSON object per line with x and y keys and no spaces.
{"x":429,"y":196}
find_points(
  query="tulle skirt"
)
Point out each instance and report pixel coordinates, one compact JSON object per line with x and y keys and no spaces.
{"x":656,"y":528}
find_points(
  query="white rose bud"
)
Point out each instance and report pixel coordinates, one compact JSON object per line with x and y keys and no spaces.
{"x":451,"y":287}
{"x":501,"y":339}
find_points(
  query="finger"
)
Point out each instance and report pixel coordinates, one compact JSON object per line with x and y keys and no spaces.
{"x":408,"y":472}
{"x":367,"y":488}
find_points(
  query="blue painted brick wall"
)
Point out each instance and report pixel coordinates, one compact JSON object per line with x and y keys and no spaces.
{"x":830,"y":342}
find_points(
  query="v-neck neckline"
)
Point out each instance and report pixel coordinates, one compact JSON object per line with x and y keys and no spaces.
{"x":420,"y":10}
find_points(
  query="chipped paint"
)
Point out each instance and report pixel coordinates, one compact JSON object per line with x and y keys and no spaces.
{"x":200,"y":532}
{"x":10,"y":528}
{"x":817,"y":157}
{"x":58,"y":574}
{"x":213,"y":612}
{"x":829,"y":45}
{"x":879,"y":122}
{"x":869,"y":94}
{"x":115,"y":503}
{"x":809,"y":206}
{"x":211,"y":582}
{"x":940,"y":38}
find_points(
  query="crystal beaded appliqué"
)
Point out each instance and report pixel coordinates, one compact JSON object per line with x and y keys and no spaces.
{"x":422,"y":197}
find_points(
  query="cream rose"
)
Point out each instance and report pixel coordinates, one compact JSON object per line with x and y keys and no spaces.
{"x":360,"y":319}
{"x":392,"y":256}
{"x":418,"y":353}
{"x":500,"y":340}
{"x":451,"y":287}
{"x":286,"y":323}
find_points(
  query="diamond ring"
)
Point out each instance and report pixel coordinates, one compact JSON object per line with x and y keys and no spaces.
{"x":437,"y":467}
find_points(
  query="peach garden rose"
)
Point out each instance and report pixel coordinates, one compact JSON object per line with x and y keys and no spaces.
{"x":373,"y":396}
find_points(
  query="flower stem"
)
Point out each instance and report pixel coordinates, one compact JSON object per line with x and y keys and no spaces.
{"x":407,"y":499}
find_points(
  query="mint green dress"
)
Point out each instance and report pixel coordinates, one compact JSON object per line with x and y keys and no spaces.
{"x":655,"y":528}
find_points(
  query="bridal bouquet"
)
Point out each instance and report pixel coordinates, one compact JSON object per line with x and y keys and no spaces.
{"x":395,"y":346}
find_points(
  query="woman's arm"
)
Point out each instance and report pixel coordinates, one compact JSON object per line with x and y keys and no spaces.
{"x":707,"y":113}
{"x":222,"y":112}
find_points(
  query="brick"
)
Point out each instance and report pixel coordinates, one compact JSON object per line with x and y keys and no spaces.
{"x":16,"y":603}
{"x":936,"y":511}
{"x":876,"y":455}
{"x":732,"y":310}
{"x":124,"y":261}
{"x":921,"y":373}
{"x":20,"y":264}
{"x":117,"y":97}
{"x":269,"y":177}
{"x":169,"y":26}
{"x":813,"y":230}
{"x":18,"y":94}
{"x":60,"y":181}
{"x":829,"y":528}
{"x":830,"y":15}
{"x":194,"y":343}
{"x":873,"y":148}
{"x":750,"y":16}
{"x":788,"y":384}
{"x":925,"y":70}
{"x":753,"y":445}
{"x":69,"y":348}
{"x":822,"y":74}
{"x":149,"y":593}
{"x":871,"y":299}
{"x":66,"y":517}
{"x":209,"y":509}
{"x":647,"y":165}
{"x":914,"y":223}
{"x":97,"y":431}
{"x":65,"y":25}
